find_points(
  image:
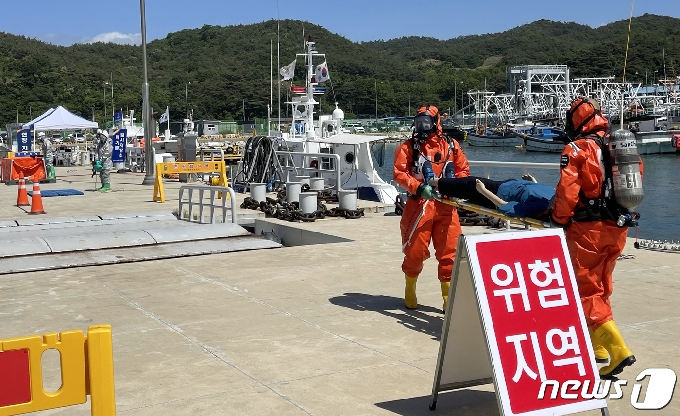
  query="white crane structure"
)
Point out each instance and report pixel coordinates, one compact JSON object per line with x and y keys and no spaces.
{"x":545,"y":92}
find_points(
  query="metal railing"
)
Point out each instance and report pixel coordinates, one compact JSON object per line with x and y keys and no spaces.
{"x":525,"y":166}
{"x":307,"y":170}
{"x":214,"y":192}
{"x":209,"y":155}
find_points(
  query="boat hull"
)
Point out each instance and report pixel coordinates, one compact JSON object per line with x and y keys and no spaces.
{"x":657,"y":142}
{"x":541,"y":145}
{"x":491,"y":141}
{"x":357,"y":171}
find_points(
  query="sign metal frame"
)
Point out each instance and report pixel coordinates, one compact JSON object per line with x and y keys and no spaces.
{"x":468,"y":358}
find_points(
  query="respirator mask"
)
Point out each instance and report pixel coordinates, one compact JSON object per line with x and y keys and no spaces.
{"x":423,"y":125}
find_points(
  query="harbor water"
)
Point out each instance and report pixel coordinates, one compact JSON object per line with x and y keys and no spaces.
{"x":660,"y":209}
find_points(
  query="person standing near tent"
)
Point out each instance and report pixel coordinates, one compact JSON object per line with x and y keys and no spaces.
{"x":428,"y":154}
{"x":103,"y":163}
{"x":48,"y":154}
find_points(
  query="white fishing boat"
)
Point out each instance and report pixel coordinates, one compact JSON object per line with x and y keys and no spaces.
{"x":542,"y":139}
{"x":656,"y":136}
{"x":655,"y":142}
{"x":494,"y":139}
{"x":308,"y":140}
{"x":134,"y":130}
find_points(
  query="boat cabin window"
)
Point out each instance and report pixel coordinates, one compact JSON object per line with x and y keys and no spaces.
{"x":326,"y":162}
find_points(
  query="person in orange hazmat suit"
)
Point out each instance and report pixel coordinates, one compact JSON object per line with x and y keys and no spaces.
{"x":426,"y":155}
{"x":584,"y":204}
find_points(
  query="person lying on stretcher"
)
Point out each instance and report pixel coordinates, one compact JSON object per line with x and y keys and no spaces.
{"x":523,"y":198}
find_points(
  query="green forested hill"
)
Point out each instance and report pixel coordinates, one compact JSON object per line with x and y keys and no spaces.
{"x":228,"y":67}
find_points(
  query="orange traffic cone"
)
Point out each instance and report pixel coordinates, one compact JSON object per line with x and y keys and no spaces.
{"x":36,"y":200}
{"x":22,"y":195}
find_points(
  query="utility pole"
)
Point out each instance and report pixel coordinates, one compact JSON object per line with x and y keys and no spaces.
{"x":455,"y":96}
{"x":376,"y":101}
{"x":186,"y":98}
{"x":113,"y":110}
{"x":462,"y":105}
{"x":149,"y":174}
{"x":105,"y":84}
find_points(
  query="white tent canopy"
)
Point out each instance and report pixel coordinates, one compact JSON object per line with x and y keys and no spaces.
{"x":40,"y":117}
{"x":60,"y":119}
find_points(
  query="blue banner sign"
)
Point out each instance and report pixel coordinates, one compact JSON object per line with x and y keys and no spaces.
{"x":24,"y":140}
{"x":118,"y":117}
{"x":118,"y":142}
{"x":319,"y":90}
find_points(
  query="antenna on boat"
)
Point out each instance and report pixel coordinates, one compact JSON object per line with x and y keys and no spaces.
{"x":278,"y":65}
{"x":270,"y":106}
{"x":625,"y":60}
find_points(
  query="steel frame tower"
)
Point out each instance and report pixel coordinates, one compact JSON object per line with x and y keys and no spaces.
{"x":541,"y":90}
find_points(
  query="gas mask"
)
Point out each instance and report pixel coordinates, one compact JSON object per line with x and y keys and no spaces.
{"x":424,"y":124}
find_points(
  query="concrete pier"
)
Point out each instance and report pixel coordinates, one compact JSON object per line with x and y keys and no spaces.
{"x":316,"y":329}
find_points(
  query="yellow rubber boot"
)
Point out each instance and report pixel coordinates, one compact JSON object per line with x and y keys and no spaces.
{"x":620,"y":356}
{"x":410,"y":300}
{"x":445,"y":294}
{"x":600,"y":352}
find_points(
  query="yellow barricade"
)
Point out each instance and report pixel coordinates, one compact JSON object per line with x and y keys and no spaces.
{"x":165,"y":168}
{"x":86,"y":368}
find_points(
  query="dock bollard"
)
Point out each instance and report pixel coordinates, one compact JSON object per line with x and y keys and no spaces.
{"x":348,"y":199}
{"x":258,"y":191}
{"x":308,"y":202}
{"x":304,"y":180}
{"x":293,"y":190}
{"x":316,"y":184}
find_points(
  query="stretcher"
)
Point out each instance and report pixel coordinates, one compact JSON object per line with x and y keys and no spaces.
{"x":461,"y":203}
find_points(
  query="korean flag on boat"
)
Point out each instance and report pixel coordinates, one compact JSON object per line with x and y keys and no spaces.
{"x":321,"y":73}
{"x":165,"y":116}
{"x":288,"y":71}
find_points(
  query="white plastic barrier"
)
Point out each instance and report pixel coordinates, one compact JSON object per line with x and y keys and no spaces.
{"x":212,"y":192}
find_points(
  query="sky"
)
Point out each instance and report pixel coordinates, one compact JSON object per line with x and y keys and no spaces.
{"x":65,"y":22}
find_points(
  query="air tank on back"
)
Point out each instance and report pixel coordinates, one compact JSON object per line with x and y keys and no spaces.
{"x":627,"y":181}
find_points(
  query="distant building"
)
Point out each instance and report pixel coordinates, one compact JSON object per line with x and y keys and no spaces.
{"x":247,"y":126}
{"x":176,"y":127}
{"x":207,"y":127}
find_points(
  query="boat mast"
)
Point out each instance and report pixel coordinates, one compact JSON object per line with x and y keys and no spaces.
{"x":309,"y":105}
{"x":278,"y":67}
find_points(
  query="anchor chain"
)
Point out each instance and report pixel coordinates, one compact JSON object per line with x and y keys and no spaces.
{"x":467,"y":218}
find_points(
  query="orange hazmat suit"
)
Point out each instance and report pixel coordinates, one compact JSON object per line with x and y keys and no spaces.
{"x":428,"y":220}
{"x":594,"y":245}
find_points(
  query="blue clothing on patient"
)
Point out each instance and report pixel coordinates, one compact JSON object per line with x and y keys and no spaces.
{"x":527,"y":198}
